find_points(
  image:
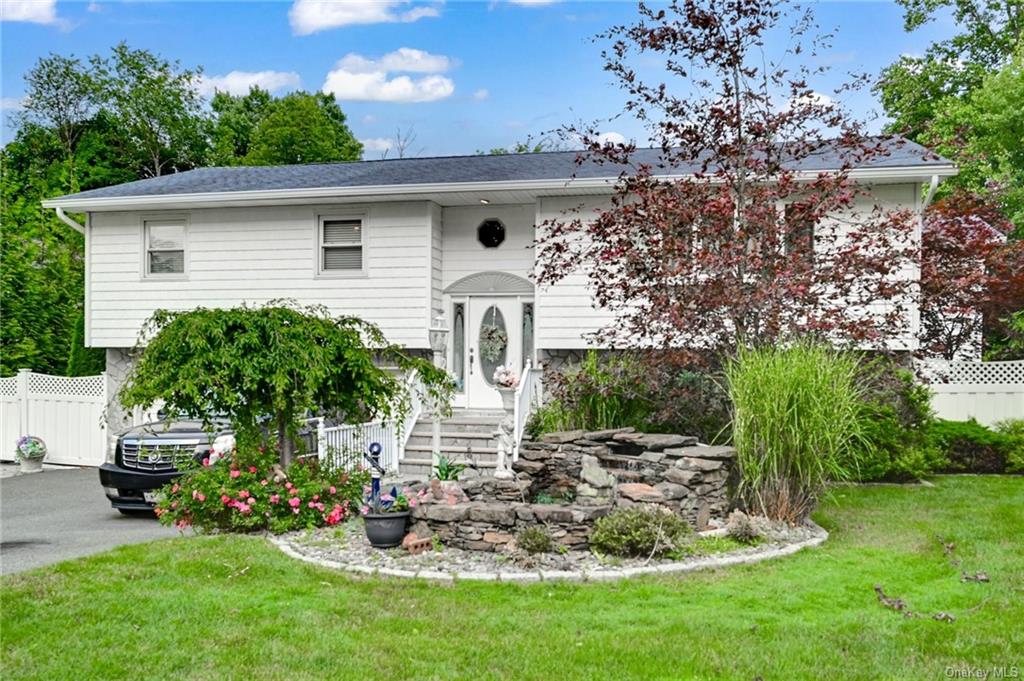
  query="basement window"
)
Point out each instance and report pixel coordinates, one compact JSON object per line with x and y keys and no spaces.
{"x":165,"y":248}
{"x":341,"y":244}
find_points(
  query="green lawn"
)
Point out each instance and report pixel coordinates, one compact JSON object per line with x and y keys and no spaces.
{"x":236,"y":608}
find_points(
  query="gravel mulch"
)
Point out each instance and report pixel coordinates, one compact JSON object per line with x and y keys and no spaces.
{"x":345,"y":547}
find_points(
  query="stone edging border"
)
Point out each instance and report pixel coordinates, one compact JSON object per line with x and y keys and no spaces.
{"x":524,"y":577}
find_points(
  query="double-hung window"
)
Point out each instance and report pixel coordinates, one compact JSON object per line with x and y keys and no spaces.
{"x":165,"y":248}
{"x":341,"y":244}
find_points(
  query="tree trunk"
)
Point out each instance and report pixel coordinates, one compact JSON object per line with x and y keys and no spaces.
{"x":284,"y":442}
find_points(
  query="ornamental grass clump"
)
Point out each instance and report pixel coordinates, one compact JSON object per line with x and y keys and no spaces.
{"x":797,"y":418}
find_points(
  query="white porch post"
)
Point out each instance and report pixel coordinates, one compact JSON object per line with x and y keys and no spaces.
{"x":439,"y":345}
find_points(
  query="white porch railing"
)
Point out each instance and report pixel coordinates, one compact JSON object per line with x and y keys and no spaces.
{"x":528,"y":395}
{"x":344,"y":446}
{"x":414,"y":387}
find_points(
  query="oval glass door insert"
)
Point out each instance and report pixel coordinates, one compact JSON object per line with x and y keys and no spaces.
{"x":493,"y":343}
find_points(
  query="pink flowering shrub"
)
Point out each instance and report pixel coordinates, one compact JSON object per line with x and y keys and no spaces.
{"x":244,"y":492}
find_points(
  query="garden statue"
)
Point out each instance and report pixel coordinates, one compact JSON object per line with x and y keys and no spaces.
{"x":506,"y":381}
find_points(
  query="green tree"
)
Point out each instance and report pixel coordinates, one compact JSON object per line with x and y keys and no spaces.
{"x":303,"y":128}
{"x":913,"y":88}
{"x":984,"y":133}
{"x":236,"y":118}
{"x":279,"y":361}
{"x":61,"y":95}
{"x":41,"y":271}
{"x":157,"y":108}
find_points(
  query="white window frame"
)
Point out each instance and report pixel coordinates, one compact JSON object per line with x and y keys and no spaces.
{"x":319,"y":246}
{"x":144,"y":272}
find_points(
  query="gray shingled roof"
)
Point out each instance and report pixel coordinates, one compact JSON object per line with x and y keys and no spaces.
{"x":442,"y":170}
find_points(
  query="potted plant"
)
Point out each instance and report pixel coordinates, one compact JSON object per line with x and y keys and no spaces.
{"x":385,"y":517}
{"x":30,"y":452}
{"x":506,"y":380}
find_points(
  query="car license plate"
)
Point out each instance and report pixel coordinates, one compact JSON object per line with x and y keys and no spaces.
{"x":150,"y":497}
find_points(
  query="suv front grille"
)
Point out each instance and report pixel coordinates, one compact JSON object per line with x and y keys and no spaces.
{"x":157,"y":457}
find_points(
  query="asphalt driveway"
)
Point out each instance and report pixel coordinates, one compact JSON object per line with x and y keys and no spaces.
{"x":60,"y":514}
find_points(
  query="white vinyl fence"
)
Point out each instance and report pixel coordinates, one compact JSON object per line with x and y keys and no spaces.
{"x":66,"y":412}
{"x":985,"y":391}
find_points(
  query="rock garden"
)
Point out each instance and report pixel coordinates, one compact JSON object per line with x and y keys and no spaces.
{"x":582,"y":505}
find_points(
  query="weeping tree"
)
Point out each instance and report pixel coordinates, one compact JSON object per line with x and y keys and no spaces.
{"x":272,"y":365}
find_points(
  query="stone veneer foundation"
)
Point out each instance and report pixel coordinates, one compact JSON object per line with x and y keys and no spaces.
{"x":587,"y":475}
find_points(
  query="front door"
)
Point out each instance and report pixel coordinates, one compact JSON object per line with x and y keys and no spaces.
{"x":495,"y":335}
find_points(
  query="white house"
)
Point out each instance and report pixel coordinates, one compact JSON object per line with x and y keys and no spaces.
{"x":397,"y":242}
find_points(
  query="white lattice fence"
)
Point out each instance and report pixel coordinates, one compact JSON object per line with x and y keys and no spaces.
{"x":985,"y":391}
{"x":66,"y":412}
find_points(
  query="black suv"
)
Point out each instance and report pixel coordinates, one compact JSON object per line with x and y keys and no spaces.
{"x":148,"y":457}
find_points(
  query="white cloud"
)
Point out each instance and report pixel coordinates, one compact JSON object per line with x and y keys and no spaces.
{"x":402,"y":59}
{"x":94,"y":7}
{"x":532,"y":3}
{"x":377,"y":87}
{"x":815,"y":99}
{"x":12,"y":103}
{"x":377,"y":144}
{"x":312,"y":16}
{"x":481,"y":94}
{"x":239,"y":82}
{"x":32,"y":11}
{"x":612,"y":137}
{"x":358,"y":78}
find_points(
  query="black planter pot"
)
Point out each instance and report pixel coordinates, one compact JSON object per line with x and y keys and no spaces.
{"x":385,"y":530}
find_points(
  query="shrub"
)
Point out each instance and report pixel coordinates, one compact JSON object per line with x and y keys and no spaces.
{"x":640,"y":532}
{"x":1013,"y":431}
{"x":970,"y":447}
{"x":687,"y":401}
{"x":534,"y":539}
{"x":596,"y":394}
{"x":647,"y":391}
{"x":797,"y":413}
{"x":897,"y":416}
{"x":246,"y":491}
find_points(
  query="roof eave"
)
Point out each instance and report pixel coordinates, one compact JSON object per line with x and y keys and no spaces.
{"x":414,"y":191}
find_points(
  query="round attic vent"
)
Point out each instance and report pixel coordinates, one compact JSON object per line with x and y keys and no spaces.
{"x":491,"y":233}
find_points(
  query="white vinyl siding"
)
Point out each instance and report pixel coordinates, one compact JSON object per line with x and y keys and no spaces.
{"x":165,"y":247}
{"x":465,"y":255}
{"x":252,"y":255}
{"x":565,"y":311}
{"x":341,"y":244}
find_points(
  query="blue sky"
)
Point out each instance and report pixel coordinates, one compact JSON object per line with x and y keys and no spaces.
{"x":463,"y":75}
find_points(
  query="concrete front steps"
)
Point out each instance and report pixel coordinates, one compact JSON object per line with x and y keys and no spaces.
{"x":467,"y":437}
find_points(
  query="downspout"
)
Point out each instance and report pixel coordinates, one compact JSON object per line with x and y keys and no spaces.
{"x":916,"y":323}
{"x":932,"y":186}
{"x":66,"y":219}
